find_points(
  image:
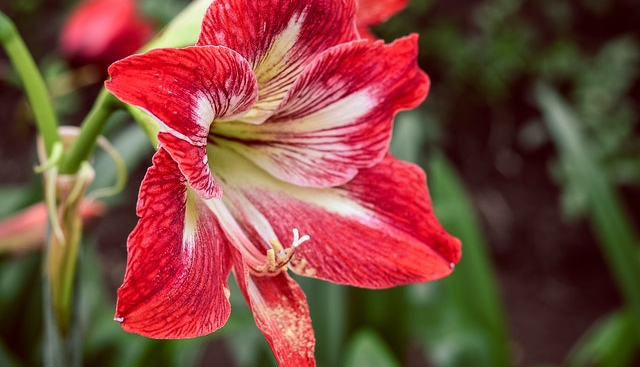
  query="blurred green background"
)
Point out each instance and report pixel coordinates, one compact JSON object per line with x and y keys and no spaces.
{"x":531,"y":141}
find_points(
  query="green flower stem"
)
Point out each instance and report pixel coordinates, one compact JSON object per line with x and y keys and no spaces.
{"x":34,"y":84}
{"x":90,"y":130}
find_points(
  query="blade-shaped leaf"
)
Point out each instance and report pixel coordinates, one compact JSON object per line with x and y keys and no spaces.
{"x":608,"y":216}
{"x":472,"y":286}
{"x":609,"y":342}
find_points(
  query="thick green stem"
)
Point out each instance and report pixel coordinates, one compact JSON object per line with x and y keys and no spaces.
{"x":34,"y":84}
{"x":90,"y":130}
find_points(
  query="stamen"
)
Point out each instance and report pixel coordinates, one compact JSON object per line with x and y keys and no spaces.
{"x":278,"y":257}
{"x":271,"y":260}
{"x":277,"y":246}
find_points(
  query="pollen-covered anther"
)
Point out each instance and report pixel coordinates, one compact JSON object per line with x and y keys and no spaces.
{"x":278,"y":256}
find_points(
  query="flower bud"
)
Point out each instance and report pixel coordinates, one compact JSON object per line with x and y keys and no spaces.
{"x":103,"y":31}
{"x":26,"y":230}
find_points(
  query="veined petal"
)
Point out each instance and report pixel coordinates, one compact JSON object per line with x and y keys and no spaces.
{"x":185,"y":90}
{"x":280,"y":310}
{"x":337,"y":117}
{"x":278,"y":37}
{"x":178,"y":264}
{"x":376,"y":231}
{"x":193,"y":163}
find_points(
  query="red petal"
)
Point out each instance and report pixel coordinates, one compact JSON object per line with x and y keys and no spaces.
{"x":372,"y":12}
{"x":400,"y":242}
{"x":193,"y":163}
{"x":337,"y":117}
{"x":280,"y":310}
{"x":277,"y":37}
{"x":185,"y":90}
{"x":376,"y":231}
{"x":365,"y":33}
{"x":178,"y":264}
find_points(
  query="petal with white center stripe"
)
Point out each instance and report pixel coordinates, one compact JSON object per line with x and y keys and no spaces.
{"x":178,"y":264}
{"x":278,"y":38}
{"x":377,"y":231}
{"x":185,"y":90}
{"x":337,"y":117}
{"x":280,"y":310}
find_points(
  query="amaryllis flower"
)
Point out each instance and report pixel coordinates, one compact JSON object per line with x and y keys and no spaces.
{"x":374,"y":12}
{"x":103,"y":31}
{"x":273,"y":156}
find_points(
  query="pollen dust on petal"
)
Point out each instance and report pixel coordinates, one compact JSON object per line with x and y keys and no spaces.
{"x":301,"y":267}
{"x":295,"y":330}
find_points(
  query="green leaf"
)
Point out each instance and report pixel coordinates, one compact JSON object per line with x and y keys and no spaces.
{"x":14,"y":198}
{"x":367,"y":349}
{"x":328,"y":307}
{"x":184,"y":29}
{"x":472,"y":288}
{"x":147,"y":123}
{"x":609,"y":342}
{"x":34,"y":85}
{"x":609,"y":218}
{"x":462,"y":346}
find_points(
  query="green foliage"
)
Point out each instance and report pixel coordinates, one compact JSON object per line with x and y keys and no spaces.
{"x":472,"y":289}
{"x":611,"y":342}
{"x":610,"y":219}
{"x":366,"y":349}
{"x":486,"y":60}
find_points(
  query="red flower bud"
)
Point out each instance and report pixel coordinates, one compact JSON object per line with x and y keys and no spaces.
{"x":27,"y":229}
{"x":374,"y":12}
{"x":103,"y":31}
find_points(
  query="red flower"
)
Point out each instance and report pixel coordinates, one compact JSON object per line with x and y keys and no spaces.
{"x":279,"y":119}
{"x":374,"y":12}
{"x":103,"y":31}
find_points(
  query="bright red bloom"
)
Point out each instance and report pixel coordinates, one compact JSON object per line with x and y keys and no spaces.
{"x":103,"y":31}
{"x":374,"y":12}
{"x":278,"y":120}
